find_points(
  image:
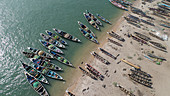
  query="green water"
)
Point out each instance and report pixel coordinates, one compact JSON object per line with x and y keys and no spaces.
{"x":21,"y":22}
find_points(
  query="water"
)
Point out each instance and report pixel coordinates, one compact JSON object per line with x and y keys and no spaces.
{"x":21,"y":22}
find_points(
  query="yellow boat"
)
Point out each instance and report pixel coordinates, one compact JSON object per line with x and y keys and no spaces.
{"x":127,"y":62}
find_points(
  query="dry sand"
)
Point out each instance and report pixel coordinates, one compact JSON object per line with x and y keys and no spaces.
{"x":85,"y":86}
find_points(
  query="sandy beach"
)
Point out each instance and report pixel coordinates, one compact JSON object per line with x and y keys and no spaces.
{"x":131,"y":51}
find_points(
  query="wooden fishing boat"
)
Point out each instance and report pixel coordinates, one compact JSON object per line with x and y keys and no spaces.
{"x":138,"y":39}
{"x":87,"y":73}
{"x":165,"y":2}
{"x":144,"y":37}
{"x":122,"y":3}
{"x":66,"y":35}
{"x":157,"y":61}
{"x":56,"y":37}
{"x":52,"y":41}
{"x":146,"y":22}
{"x":129,"y":63}
{"x":94,"y":18}
{"x":140,"y":72}
{"x":114,"y":42}
{"x":40,"y":52}
{"x":153,"y":35}
{"x":113,"y":34}
{"x":94,"y":71}
{"x":141,"y":77}
{"x":100,"y":58}
{"x":130,"y":19}
{"x":50,"y":46}
{"x":31,"y":71}
{"x":153,"y":56}
{"x":69,"y":93}
{"x":60,"y":58}
{"x":36,"y":85}
{"x":158,"y":45}
{"x":103,"y":19}
{"x":91,"y":21}
{"x":47,"y":72}
{"x":164,"y":25}
{"x":118,"y":5}
{"x":134,"y":18}
{"x":134,"y":24}
{"x":88,"y":36}
{"x":107,"y":53}
{"x":85,"y":28}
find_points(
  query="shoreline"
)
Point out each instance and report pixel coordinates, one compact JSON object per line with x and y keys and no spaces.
{"x":83,"y":81}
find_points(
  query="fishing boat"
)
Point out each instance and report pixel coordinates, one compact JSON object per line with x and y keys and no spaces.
{"x":164,"y":25}
{"x":129,"y":63}
{"x":87,"y":73}
{"x":157,"y":61}
{"x":153,"y":35}
{"x":144,"y":37}
{"x":36,"y":85}
{"x":153,"y":56}
{"x":134,"y":18}
{"x":91,"y":21}
{"x":56,"y":37}
{"x":88,"y":36}
{"x":114,"y":42}
{"x":85,"y":28}
{"x":94,"y":71}
{"x":113,"y":34}
{"x":100,"y":58}
{"x":66,"y":35}
{"x":60,"y":58}
{"x":159,"y":45}
{"x":52,"y":41}
{"x":48,"y":72}
{"x":140,"y":72}
{"x":107,"y":53}
{"x":40,"y":52}
{"x":141,"y":77}
{"x":50,"y":46}
{"x":118,"y":5}
{"x":69,"y":93}
{"x":134,"y":24}
{"x":146,"y":22}
{"x":31,"y":71}
{"x":103,"y":19}
{"x":138,"y":39}
{"x":94,"y":18}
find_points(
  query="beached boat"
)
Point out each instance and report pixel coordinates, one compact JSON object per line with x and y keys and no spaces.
{"x":107,"y":53}
{"x":36,"y":85}
{"x":69,"y":93}
{"x":50,"y":46}
{"x":118,"y":5}
{"x":91,"y":21}
{"x":153,"y":35}
{"x":130,"y":19}
{"x":113,"y":34}
{"x":114,"y":42}
{"x":134,"y":18}
{"x":103,"y":19}
{"x":87,"y":73}
{"x":52,"y":41}
{"x":134,"y":24}
{"x":94,"y":18}
{"x":159,"y":45}
{"x":141,"y":77}
{"x":129,"y":63}
{"x":166,"y":2}
{"x":48,"y":72}
{"x":38,"y":76}
{"x":144,"y":37}
{"x":164,"y":25}
{"x":88,"y":36}
{"x":60,"y":58}
{"x":56,"y":37}
{"x":100,"y":58}
{"x":154,"y":56}
{"x":40,"y":52}
{"x":146,"y":22}
{"x":157,"y":61}
{"x":139,"y":39}
{"x":94,"y":71}
{"x":66,"y":35}
{"x":85,"y":28}
{"x":141,"y":73}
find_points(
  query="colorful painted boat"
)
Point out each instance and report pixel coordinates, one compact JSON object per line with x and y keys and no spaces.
{"x":48,"y":72}
{"x":159,"y":45}
{"x":94,"y":18}
{"x":50,"y":46}
{"x":87,"y":73}
{"x":85,"y":28}
{"x":129,"y":63}
{"x":114,"y":42}
{"x":118,"y":5}
{"x":40,"y":52}
{"x":88,"y":36}
{"x":113,"y":34}
{"x":107,"y":53}
{"x":139,"y":39}
{"x":38,"y":76}
{"x":56,"y":37}
{"x":36,"y":85}
{"x":60,"y":58}
{"x":91,"y":21}
{"x":140,"y":72}
{"x":103,"y":60}
{"x":144,"y":37}
{"x":66,"y":35}
{"x":52,"y":41}
{"x":69,"y":93}
{"x":103,"y":19}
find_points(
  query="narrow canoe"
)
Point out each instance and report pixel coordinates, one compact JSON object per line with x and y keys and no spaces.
{"x":56,"y":37}
{"x":118,"y":5}
{"x":103,"y":19}
{"x":89,"y":36}
{"x":52,"y":41}
{"x":107,"y":53}
{"x":69,"y":93}
{"x":60,"y":58}
{"x":38,"y":76}
{"x":84,"y":27}
{"x":92,"y":22}
{"x":94,"y":18}
{"x":48,"y":72}
{"x":118,"y":37}
{"x":36,"y":85}
{"x":50,"y":46}
{"x":66,"y":35}
{"x":40,"y":52}
{"x":103,"y":60}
